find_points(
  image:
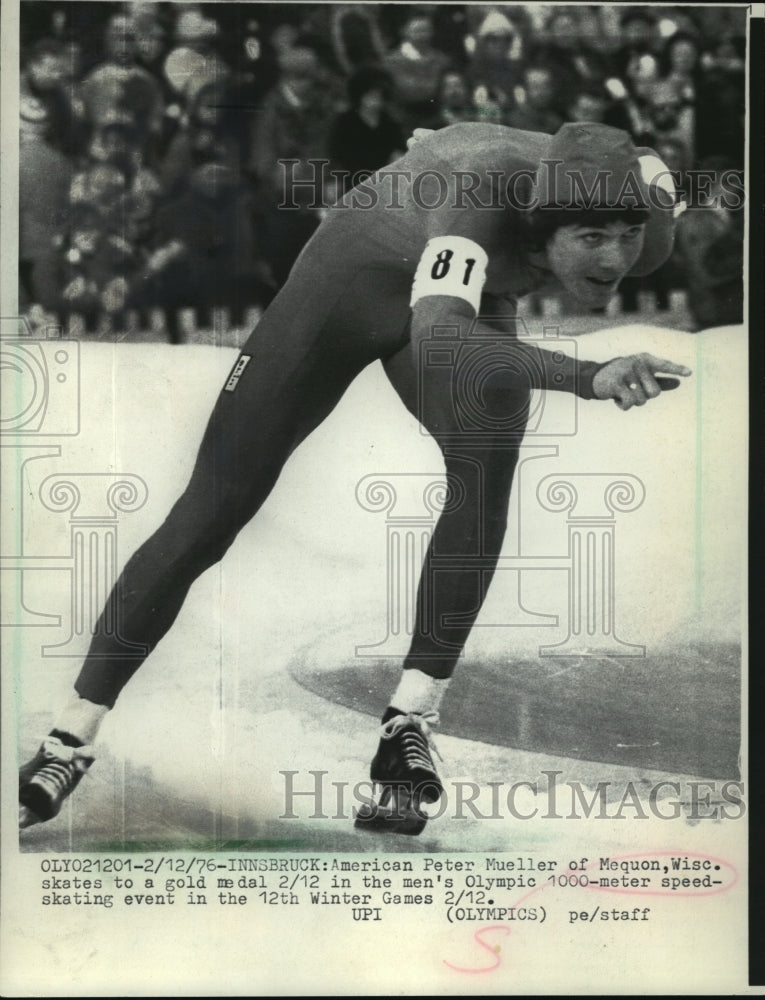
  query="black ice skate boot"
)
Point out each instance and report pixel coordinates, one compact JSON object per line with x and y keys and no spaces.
{"x":403,"y":768}
{"x":49,"y":778}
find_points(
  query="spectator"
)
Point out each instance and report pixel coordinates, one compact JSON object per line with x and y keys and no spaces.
{"x":538,"y":111}
{"x":283,"y":234}
{"x":636,"y":70}
{"x":101,"y":185}
{"x":681,"y":90}
{"x":150,"y":41}
{"x":47,"y":91}
{"x":590,"y":104}
{"x":674,"y":154}
{"x":416,"y":67}
{"x":709,"y":249}
{"x":600,"y":26}
{"x":679,"y":63}
{"x":254,"y":73}
{"x":454,"y":101}
{"x":638,"y":39}
{"x":193,"y":62}
{"x":117,"y":144}
{"x":629,"y":105}
{"x":356,"y":36}
{"x":43,"y":73}
{"x":725,"y":55}
{"x":366,"y":136}
{"x":93,"y":268}
{"x":213,"y":131}
{"x":45,"y":175}
{"x":120,"y":84}
{"x":496,"y":66}
{"x":720,"y":128}
{"x":284,"y":37}
{"x":204,"y":252}
{"x":115,"y":141}
{"x":567,"y":52}
{"x":450,"y":25}
{"x":669,"y":117}
{"x":294,"y":119}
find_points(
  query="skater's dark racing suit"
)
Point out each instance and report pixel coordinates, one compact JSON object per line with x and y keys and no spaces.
{"x":408,"y":259}
{"x":346,"y":304}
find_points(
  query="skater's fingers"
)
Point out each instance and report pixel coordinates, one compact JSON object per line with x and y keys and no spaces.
{"x":665,"y":384}
{"x":633,"y":392}
{"x":646,"y":386}
{"x":662,"y":365}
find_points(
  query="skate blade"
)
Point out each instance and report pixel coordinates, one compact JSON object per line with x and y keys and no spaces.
{"x":27,"y":817}
{"x":384,"y":820}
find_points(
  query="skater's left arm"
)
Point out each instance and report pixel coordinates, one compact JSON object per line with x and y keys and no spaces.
{"x":629,"y":381}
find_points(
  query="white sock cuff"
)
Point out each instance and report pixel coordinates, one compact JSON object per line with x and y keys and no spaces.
{"x":81,"y":718}
{"x":419,"y":692}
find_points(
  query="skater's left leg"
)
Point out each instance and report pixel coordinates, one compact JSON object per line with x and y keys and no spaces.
{"x":459,"y":564}
{"x":468,"y":537}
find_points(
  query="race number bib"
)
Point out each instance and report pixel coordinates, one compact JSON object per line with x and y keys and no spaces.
{"x":451,"y":265}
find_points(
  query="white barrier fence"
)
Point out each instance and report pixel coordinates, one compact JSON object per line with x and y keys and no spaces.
{"x":217,"y":326}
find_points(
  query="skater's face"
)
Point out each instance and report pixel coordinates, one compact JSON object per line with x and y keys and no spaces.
{"x":590,"y":261}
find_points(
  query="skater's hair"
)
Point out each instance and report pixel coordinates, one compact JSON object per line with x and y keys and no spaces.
{"x":541,"y":224}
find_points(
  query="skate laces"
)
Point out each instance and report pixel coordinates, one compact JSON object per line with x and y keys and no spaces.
{"x":417,"y":738}
{"x":61,"y":765}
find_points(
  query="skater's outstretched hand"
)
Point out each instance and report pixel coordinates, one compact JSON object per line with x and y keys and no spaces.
{"x":634,"y":380}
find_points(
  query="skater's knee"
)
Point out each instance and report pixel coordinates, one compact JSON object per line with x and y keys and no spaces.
{"x":205,"y":526}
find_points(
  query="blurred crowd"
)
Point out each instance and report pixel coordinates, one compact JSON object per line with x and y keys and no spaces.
{"x":152,"y":133}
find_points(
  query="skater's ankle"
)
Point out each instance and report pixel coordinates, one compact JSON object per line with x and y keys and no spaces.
{"x":418,"y":692}
{"x":390,"y":713}
{"x":66,"y":738}
{"x":81,"y":720}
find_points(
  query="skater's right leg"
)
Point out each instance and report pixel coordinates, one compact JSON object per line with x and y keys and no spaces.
{"x":234,"y":473}
{"x":304,"y":354}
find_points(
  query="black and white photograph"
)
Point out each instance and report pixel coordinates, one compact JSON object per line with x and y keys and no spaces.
{"x":375,"y":493}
